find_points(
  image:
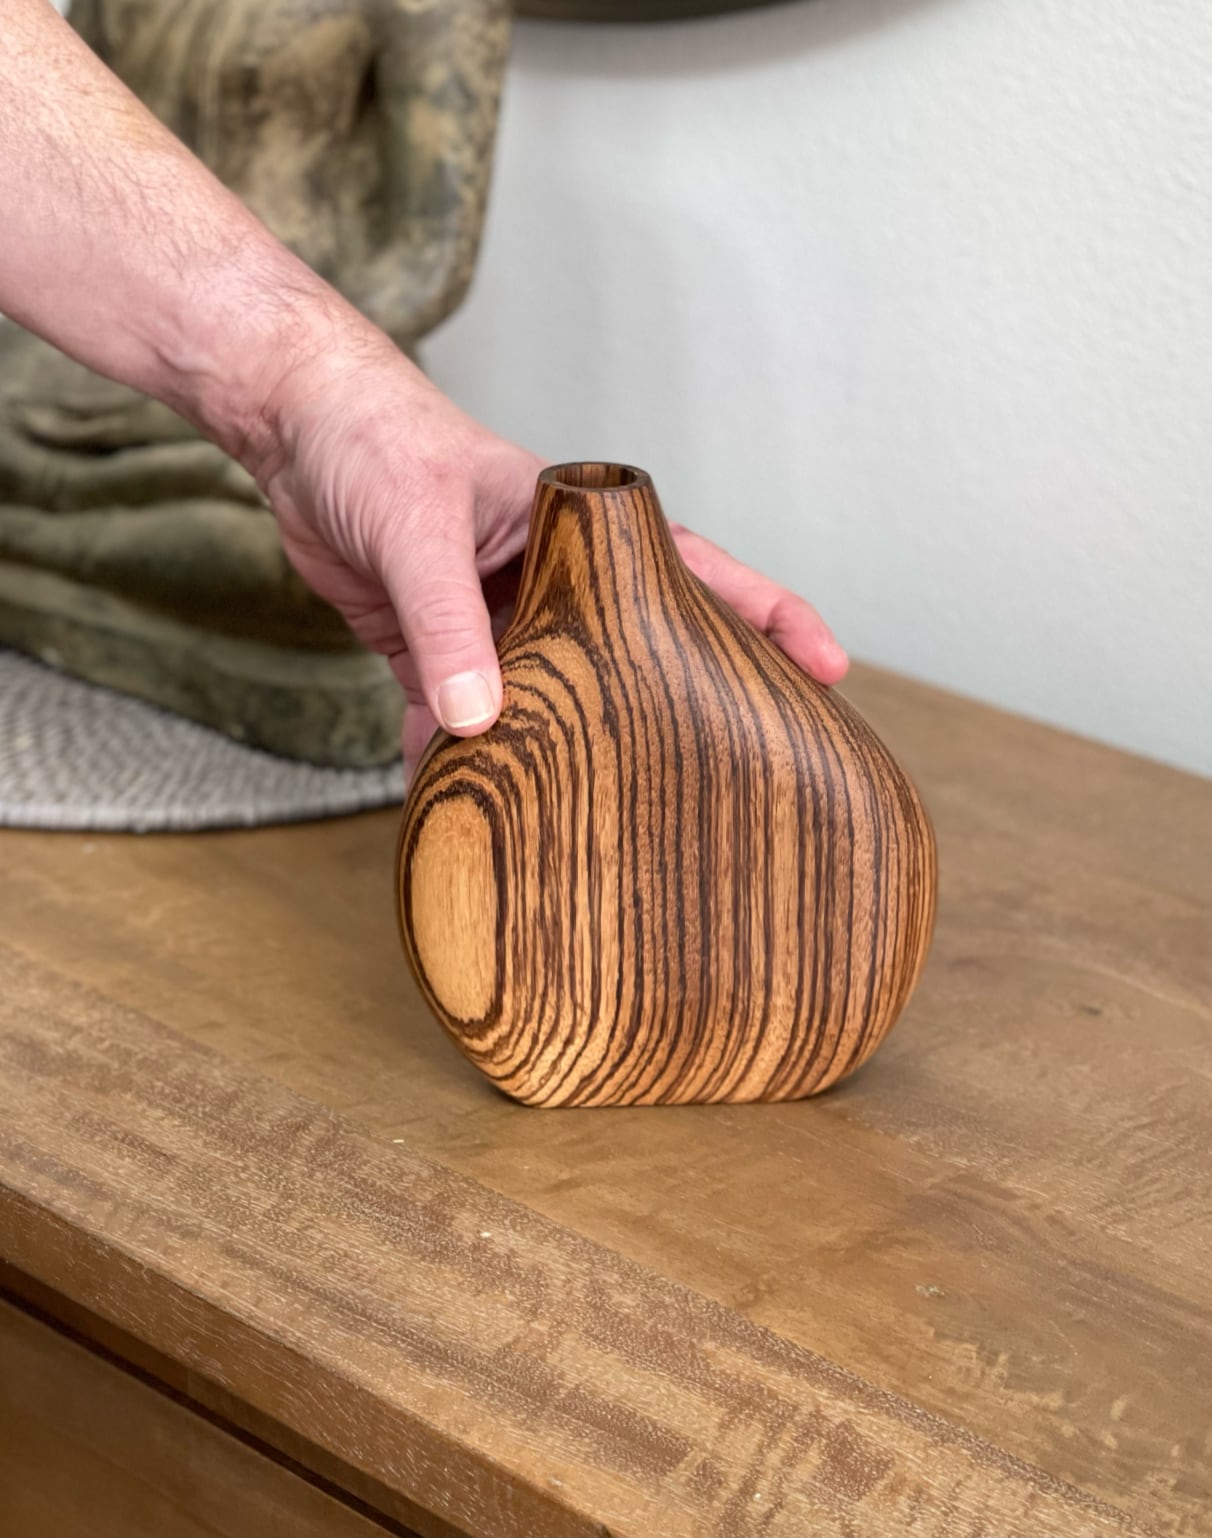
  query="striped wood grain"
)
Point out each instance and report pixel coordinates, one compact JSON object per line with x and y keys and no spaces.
{"x":677,"y":869}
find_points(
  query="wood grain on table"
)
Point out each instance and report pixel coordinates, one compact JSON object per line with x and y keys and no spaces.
{"x":967,"y":1291}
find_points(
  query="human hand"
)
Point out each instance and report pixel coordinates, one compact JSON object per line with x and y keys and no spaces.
{"x":408,"y":517}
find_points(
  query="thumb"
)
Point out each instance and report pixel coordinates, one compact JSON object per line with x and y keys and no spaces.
{"x":436,"y":593}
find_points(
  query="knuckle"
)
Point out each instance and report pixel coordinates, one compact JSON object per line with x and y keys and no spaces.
{"x":444,"y":618}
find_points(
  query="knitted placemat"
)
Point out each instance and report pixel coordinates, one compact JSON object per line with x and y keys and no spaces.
{"x":73,"y":755}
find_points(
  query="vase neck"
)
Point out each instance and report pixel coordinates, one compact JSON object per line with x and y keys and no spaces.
{"x":595,"y":518}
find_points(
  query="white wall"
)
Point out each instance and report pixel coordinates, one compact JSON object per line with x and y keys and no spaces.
{"x":909,"y":302}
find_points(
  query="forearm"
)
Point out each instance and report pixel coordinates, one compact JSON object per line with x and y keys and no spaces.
{"x":122,"y":249}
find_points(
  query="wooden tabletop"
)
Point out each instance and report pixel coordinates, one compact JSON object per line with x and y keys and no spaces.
{"x":967,"y":1292}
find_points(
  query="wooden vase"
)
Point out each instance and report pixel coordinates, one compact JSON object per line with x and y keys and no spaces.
{"x":677,"y":869}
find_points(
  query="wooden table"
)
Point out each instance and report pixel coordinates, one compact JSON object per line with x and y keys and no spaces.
{"x":279,"y":1262}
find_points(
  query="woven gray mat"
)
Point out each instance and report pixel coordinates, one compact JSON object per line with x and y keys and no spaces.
{"x":76,"y":756}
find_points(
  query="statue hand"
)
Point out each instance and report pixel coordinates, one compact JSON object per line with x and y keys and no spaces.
{"x":409,"y":518}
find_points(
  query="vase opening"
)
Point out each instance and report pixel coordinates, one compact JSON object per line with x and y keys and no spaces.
{"x":593,"y":477}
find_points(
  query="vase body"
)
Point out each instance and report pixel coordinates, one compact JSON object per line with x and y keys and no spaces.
{"x":677,"y":869}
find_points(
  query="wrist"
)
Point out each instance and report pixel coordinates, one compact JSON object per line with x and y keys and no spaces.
{"x":336,"y":378}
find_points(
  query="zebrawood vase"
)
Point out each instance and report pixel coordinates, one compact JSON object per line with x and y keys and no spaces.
{"x":677,"y":869}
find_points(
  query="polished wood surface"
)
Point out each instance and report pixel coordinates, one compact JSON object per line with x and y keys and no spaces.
{"x":90,"y":1450}
{"x":967,"y":1290}
{"x":677,"y":870}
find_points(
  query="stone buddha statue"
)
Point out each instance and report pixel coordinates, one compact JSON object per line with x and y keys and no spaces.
{"x":132,"y":551}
